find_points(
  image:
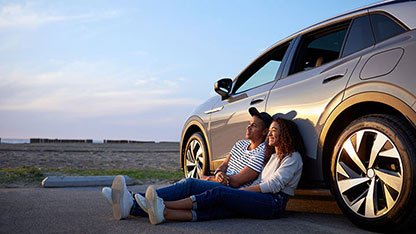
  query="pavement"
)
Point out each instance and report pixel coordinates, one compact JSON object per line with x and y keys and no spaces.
{"x":84,"y":210}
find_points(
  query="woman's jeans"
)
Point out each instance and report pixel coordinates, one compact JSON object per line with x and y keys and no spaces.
{"x":226,"y":202}
{"x":216,"y":201}
{"x":177,"y":191}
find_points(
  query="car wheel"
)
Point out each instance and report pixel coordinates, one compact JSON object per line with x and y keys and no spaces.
{"x":373,"y":172}
{"x":195,"y":156}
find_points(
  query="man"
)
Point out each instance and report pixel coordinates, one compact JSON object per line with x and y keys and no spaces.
{"x":241,"y":167}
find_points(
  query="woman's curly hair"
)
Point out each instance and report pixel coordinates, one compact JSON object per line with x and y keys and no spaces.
{"x":289,"y":139}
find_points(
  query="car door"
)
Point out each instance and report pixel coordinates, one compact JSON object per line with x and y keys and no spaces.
{"x":250,"y":89}
{"x":317,"y":79}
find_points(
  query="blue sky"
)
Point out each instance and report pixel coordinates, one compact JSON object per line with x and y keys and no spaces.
{"x":131,"y":69}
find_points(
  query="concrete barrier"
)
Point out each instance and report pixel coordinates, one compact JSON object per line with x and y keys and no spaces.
{"x":80,"y":181}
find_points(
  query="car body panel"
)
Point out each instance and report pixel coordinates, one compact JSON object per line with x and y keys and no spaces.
{"x":306,"y":112}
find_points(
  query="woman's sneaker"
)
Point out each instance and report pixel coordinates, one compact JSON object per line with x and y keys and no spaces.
{"x":141,"y":201}
{"x":122,"y":200}
{"x":155,"y":206}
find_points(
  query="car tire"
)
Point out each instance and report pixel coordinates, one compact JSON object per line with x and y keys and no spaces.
{"x":373,"y":172}
{"x":195,"y":161}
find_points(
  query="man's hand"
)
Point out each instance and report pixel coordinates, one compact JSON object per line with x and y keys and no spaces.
{"x":222,"y":178}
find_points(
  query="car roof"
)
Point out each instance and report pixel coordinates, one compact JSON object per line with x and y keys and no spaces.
{"x":350,"y":14}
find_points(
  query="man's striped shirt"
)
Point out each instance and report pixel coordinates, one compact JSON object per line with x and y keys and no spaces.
{"x":242,"y":157}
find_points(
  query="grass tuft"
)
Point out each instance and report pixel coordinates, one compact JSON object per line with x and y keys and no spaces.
{"x":31,"y":174}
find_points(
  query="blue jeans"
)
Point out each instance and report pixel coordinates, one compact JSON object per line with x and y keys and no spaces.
{"x":226,"y":202}
{"x":177,"y":191}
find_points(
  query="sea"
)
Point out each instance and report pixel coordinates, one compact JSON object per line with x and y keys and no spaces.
{"x":14,"y":141}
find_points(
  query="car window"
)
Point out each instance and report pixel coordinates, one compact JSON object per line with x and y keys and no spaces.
{"x":262,"y":71}
{"x":320,"y":47}
{"x":384,"y":27}
{"x":360,"y":36}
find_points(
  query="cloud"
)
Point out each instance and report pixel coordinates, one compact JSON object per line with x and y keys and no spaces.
{"x":29,"y":15}
{"x":90,"y":89}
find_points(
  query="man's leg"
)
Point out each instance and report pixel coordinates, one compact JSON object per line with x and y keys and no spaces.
{"x":177,"y":191}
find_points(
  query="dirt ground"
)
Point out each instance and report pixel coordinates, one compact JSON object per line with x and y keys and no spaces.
{"x":135,"y":156}
{"x":88,"y":156}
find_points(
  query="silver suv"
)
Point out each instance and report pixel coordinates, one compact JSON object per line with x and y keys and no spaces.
{"x":349,"y":84}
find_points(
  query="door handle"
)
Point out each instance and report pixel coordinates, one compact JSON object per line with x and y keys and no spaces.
{"x":214,"y":110}
{"x":331,"y":78}
{"x":256,"y":100}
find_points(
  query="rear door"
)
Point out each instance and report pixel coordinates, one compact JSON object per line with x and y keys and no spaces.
{"x":316,"y":80}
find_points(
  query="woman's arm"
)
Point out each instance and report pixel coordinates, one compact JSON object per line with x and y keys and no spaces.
{"x":244,"y":176}
{"x":254,"y":188}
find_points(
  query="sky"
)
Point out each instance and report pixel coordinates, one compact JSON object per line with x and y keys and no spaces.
{"x":131,"y":69}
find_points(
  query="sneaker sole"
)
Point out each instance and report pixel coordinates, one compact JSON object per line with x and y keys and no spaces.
{"x":117,"y":196}
{"x":151,"y":211}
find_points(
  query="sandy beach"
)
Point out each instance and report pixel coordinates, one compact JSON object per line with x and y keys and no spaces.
{"x":136,"y":156}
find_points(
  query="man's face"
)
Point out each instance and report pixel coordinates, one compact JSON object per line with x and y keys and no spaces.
{"x":255,"y":130}
{"x":273,"y":134}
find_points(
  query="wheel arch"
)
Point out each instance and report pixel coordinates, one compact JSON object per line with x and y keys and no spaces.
{"x":192,"y":127}
{"x":352,"y":108}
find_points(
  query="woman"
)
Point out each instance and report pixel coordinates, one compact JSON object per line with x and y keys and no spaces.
{"x":242,"y":166}
{"x":266,"y":198}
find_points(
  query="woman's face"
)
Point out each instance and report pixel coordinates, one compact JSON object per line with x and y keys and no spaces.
{"x":273,"y":132}
{"x":255,"y":130}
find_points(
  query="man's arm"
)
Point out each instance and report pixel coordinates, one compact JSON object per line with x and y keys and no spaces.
{"x":220,"y":176}
{"x":244,"y":176}
{"x":224,"y":165}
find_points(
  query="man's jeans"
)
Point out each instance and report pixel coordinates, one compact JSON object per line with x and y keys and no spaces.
{"x":177,"y":191}
{"x":226,"y":202}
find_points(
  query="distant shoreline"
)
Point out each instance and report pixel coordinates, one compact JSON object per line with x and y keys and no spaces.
{"x":65,"y":141}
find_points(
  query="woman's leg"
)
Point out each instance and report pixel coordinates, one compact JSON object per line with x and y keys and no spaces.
{"x":224,"y":202}
{"x":233,"y":201}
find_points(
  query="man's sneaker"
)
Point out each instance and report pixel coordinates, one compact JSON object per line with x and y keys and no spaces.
{"x":106,"y":191}
{"x":122,"y":199}
{"x":141,"y":201}
{"x":155,"y":206}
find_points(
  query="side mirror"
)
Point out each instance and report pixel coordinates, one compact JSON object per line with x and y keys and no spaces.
{"x":223,"y":87}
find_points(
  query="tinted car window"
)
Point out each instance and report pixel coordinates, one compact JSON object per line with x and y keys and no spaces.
{"x":266,"y":74}
{"x":360,"y":35}
{"x":384,"y":27}
{"x":262,"y":71}
{"x":320,"y":47}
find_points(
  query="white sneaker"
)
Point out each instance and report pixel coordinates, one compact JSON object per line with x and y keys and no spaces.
{"x":155,"y":206}
{"x":141,"y":201}
{"x":106,"y":191}
{"x":121,"y":198}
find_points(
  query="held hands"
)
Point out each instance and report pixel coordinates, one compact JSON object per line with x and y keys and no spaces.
{"x":222,"y":178}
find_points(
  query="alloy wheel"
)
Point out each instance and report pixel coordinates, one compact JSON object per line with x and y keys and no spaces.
{"x":194,"y":159}
{"x":369,"y":173}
